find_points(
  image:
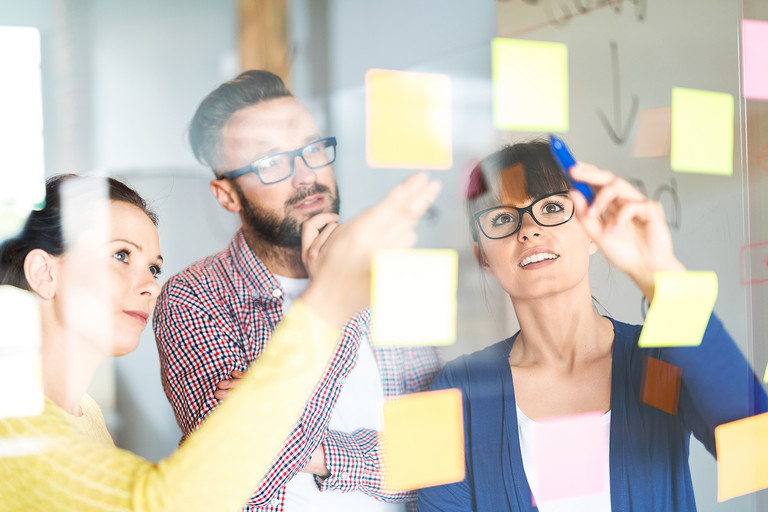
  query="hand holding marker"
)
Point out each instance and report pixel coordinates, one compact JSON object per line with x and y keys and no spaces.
{"x":566,"y":161}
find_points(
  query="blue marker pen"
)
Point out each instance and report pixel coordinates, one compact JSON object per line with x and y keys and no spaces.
{"x":566,"y":161}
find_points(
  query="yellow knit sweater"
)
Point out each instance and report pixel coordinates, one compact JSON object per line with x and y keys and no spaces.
{"x":217,"y":468}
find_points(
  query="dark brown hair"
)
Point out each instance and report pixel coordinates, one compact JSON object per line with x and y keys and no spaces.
{"x":538,"y":176}
{"x":43,"y":229}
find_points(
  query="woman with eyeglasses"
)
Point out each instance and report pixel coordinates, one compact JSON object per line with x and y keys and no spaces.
{"x":535,"y":237}
{"x":97,"y":290}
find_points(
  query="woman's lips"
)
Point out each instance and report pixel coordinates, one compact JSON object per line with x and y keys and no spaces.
{"x":139,"y":316}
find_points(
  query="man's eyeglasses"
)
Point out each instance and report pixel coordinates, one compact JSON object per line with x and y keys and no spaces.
{"x":278,"y":167}
{"x":503,"y":221}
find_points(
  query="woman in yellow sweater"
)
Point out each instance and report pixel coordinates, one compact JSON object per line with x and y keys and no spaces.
{"x":95,"y":298}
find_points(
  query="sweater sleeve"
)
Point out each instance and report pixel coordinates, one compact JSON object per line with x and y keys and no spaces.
{"x":718,"y":384}
{"x":215,"y":469}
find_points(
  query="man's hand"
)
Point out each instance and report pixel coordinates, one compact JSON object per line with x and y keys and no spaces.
{"x":338,"y":258}
{"x":225,"y":386}
{"x":314,"y":233}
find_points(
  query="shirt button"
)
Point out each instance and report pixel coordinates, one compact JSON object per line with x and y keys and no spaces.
{"x":275,"y":502}
{"x":345,"y":475}
{"x":277,"y":292}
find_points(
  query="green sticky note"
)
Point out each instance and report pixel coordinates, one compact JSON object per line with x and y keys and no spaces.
{"x":702,"y":131}
{"x":530,"y":85}
{"x":680,"y":311}
{"x":413,"y":297}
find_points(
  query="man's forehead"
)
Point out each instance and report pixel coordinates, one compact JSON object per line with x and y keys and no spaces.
{"x":276,"y":123}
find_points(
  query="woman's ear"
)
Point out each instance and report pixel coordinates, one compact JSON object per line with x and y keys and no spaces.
{"x":480,"y":257}
{"x":593,"y":248}
{"x":41,"y":272}
{"x":225,"y":193}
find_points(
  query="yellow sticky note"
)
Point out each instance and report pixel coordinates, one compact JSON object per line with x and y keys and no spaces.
{"x":680,"y":311}
{"x":702,"y":131}
{"x":423,"y":440}
{"x":765,"y":377}
{"x":742,"y":456}
{"x":408,"y":120}
{"x":413,"y":297}
{"x":530,"y":85}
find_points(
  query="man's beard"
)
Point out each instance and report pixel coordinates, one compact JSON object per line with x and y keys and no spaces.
{"x":269,"y":229}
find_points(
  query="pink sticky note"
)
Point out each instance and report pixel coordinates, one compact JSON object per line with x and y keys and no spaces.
{"x":572,"y":456}
{"x":753,"y":263}
{"x":654,"y":134}
{"x":754,"y":59}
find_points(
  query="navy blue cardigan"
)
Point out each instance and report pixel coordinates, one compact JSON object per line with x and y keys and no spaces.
{"x":648,"y":447}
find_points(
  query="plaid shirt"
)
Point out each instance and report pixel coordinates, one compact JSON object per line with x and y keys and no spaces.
{"x":218,"y":315}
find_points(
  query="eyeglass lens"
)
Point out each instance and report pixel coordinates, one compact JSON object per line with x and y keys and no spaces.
{"x":547,"y":211}
{"x":315,"y":155}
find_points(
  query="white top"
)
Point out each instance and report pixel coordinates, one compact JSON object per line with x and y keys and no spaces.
{"x":527,"y":428}
{"x":358,"y":406}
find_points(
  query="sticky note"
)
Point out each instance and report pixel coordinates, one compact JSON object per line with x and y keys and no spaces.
{"x":753,"y":263}
{"x":530,"y":85}
{"x":423,"y":439}
{"x":408,"y":120}
{"x":413,"y":297}
{"x":742,"y":456}
{"x":571,"y":454}
{"x":754,"y":59}
{"x":22,"y":183}
{"x":680,"y":311}
{"x":653,"y":133}
{"x":21,"y":382}
{"x":660,"y":386}
{"x":762,"y":157}
{"x":702,"y":131}
{"x":765,"y":376}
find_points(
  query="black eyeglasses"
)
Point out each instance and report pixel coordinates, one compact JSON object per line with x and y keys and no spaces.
{"x":503,"y":221}
{"x":278,"y":167}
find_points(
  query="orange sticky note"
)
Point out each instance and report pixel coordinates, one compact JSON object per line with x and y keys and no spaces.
{"x":423,"y":439}
{"x":408,"y":120}
{"x":660,"y":386}
{"x":742,"y":456}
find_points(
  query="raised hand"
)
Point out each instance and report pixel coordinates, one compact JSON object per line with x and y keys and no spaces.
{"x":629,"y":229}
{"x":339,"y":256}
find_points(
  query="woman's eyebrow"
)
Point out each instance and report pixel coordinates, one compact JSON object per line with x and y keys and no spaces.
{"x":128,"y":242}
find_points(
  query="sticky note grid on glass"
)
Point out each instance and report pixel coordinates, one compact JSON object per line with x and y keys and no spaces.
{"x":680,"y":311}
{"x":413,"y":297}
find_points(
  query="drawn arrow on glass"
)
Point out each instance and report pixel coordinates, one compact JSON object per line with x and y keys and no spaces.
{"x":618,"y":131}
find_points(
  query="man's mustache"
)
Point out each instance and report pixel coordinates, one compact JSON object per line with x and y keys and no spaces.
{"x":306,"y":192}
